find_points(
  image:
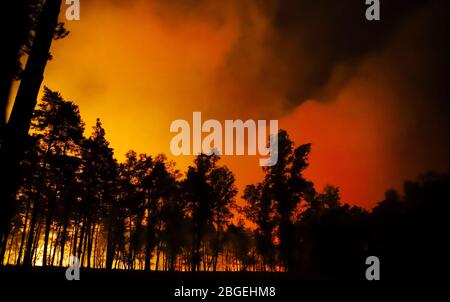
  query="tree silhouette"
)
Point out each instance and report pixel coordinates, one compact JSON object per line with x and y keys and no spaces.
{"x":73,"y":198}
{"x":19,"y":20}
{"x":209,"y":193}
{"x":159,"y":185}
{"x":408,"y":228}
{"x":333,"y":237}
{"x":132,"y":197}
{"x":286,"y":188}
{"x":238,"y":239}
{"x":198,"y":194}
{"x":175,"y":234}
{"x":33,"y":27}
{"x":224,"y":192}
{"x":59,"y":130}
{"x":97,"y":178}
{"x":260,"y":210}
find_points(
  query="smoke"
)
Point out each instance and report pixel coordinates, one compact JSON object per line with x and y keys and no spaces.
{"x":291,"y":51}
{"x":286,"y":52}
{"x":388,"y":121}
{"x":380,"y":86}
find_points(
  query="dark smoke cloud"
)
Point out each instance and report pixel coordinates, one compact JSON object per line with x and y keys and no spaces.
{"x":312,"y":44}
{"x":291,"y":51}
{"x":305,"y":49}
{"x":372,"y":97}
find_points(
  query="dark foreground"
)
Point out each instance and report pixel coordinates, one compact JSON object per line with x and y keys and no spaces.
{"x":118,"y":285}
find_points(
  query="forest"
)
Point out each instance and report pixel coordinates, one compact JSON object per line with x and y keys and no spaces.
{"x":75,"y":199}
{"x":64,"y":194}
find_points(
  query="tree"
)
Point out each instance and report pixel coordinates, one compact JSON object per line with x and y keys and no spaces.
{"x":209,"y":193}
{"x":409,"y":227}
{"x":285,"y":187}
{"x":98,"y":179}
{"x":224,"y":192}
{"x":260,"y":210}
{"x":29,"y":172}
{"x":13,"y":134}
{"x":288,"y":188}
{"x":131,"y":197}
{"x":19,"y":20}
{"x":333,"y":237}
{"x":239,"y":241}
{"x":57,"y":125}
{"x":159,"y":186}
{"x":175,"y":234}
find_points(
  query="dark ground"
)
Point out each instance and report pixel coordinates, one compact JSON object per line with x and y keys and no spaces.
{"x":119,"y":285}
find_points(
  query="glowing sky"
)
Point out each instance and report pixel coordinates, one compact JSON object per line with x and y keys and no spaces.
{"x":371,"y":106}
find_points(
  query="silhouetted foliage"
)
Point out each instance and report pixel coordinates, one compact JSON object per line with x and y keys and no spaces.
{"x":75,"y":199}
{"x":260,"y":211}
{"x":408,"y":228}
{"x":29,"y":27}
{"x":209,"y":192}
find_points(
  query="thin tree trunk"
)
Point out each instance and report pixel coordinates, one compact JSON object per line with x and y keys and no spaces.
{"x":63,"y":244}
{"x":13,"y":233}
{"x":148,"y":242}
{"x":80,"y":244}
{"x":4,"y":245}
{"x":75,"y":238}
{"x":97,"y":261}
{"x":55,"y":246}
{"x":216,"y":252}
{"x":48,"y":223}
{"x":158,"y":253}
{"x":22,"y":241}
{"x":84,"y":245}
{"x":36,"y":239}
{"x":28,"y":249}
{"x":90,"y":244}
{"x":130,"y":252}
{"x":110,"y":246}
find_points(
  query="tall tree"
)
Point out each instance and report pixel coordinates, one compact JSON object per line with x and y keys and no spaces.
{"x":132,"y":201}
{"x":175,"y":235}
{"x":224,"y":192}
{"x":261,"y":211}
{"x":198,"y":188}
{"x":239,"y":242}
{"x":57,"y":124}
{"x":159,"y":186}
{"x":13,"y":134}
{"x":286,"y":187}
{"x":98,"y":179}
{"x":18,"y":22}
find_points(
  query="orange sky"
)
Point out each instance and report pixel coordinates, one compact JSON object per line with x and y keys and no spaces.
{"x":142,"y":66}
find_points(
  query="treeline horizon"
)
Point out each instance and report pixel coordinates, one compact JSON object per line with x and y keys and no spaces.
{"x":63,"y":194}
{"x":75,"y":199}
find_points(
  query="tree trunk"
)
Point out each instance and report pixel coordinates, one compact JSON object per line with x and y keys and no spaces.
{"x":22,"y":241}
{"x":149,"y":242}
{"x":35,"y":245}
{"x":75,"y":237}
{"x":63,"y":244}
{"x":15,"y":132}
{"x":80,"y":243}
{"x":90,"y":244}
{"x":13,"y":233}
{"x":110,"y":246}
{"x":14,"y":31}
{"x":216,"y":252}
{"x":55,"y":245}
{"x":48,"y":224}
{"x":27,"y":256}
